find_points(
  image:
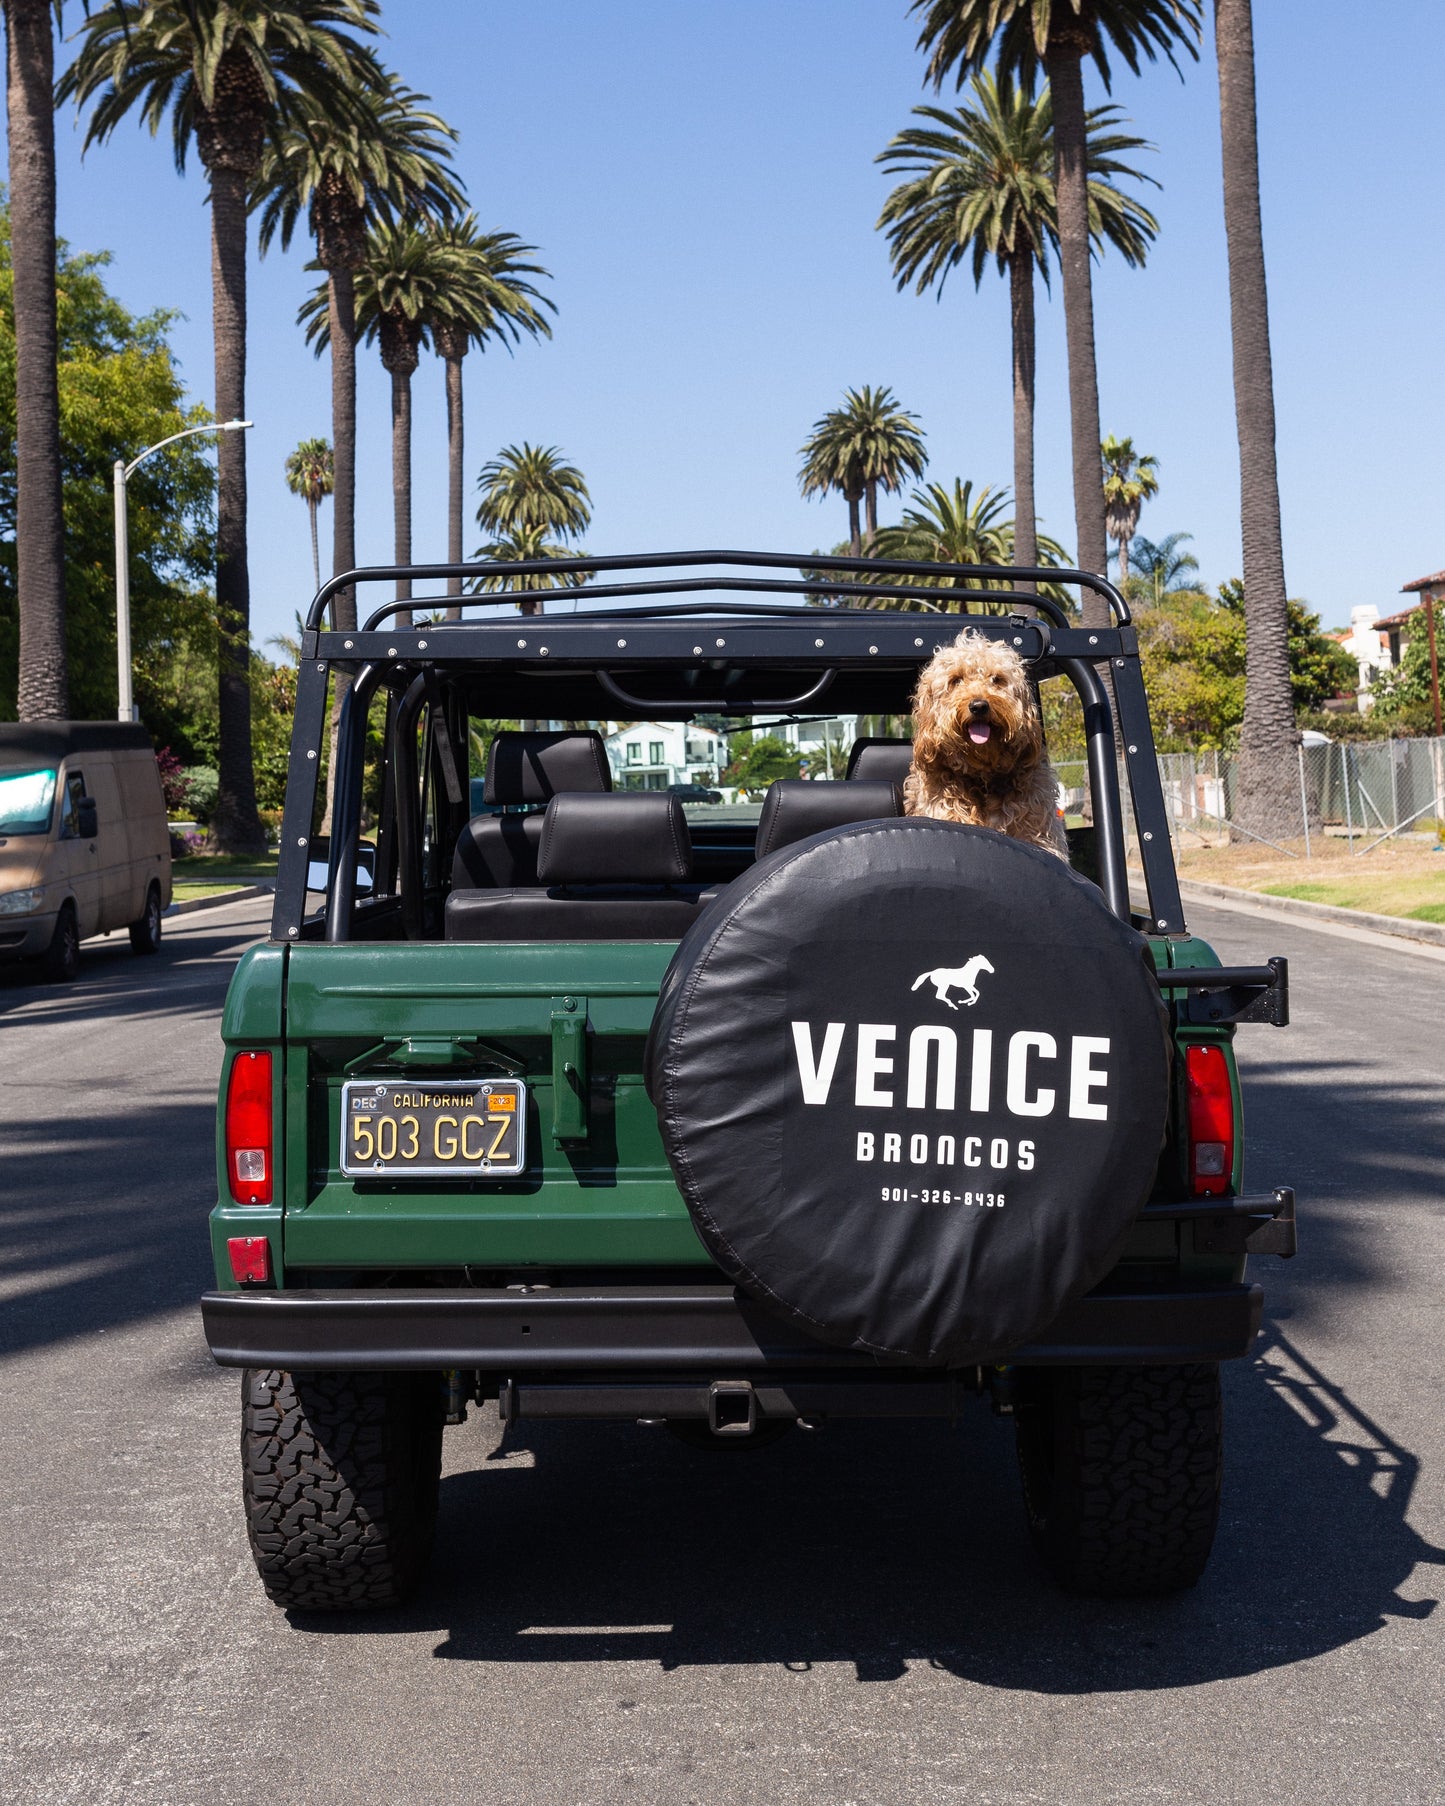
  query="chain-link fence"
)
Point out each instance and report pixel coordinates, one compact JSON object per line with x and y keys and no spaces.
{"x":1364,"y":792}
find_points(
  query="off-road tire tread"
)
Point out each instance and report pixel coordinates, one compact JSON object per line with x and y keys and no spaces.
{"x":1124,"y":1499}
{"x":340,"y":1474}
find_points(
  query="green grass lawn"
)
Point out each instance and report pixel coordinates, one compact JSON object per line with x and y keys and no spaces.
{"x":186,"y":892}
{"x":207,"y":868}
{"x":1414,"y":897}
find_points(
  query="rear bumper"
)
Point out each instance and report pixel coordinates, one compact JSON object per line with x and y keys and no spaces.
{"x":662,"y":1330}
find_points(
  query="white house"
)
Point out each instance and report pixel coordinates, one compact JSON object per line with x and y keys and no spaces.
{"x":824,"y":745}
{"x":650,"y":755}
{"x":1368,"y":646}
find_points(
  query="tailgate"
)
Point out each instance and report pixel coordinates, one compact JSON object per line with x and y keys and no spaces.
{"x":569,"y":1021}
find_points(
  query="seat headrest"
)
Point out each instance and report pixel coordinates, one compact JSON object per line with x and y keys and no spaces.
{"x":533,"y":768}
{"x":626,"y":837}
{"x":884,"y":760}
{"x":793,"y":809}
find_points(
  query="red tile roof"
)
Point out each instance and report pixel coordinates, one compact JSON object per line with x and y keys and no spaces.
{"x":1435,"y":582}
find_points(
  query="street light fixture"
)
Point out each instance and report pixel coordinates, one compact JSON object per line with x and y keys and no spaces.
{"x":123,"y":473}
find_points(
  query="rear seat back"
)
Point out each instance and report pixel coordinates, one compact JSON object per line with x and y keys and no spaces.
{"x":496,"y":852}
{"x":613,"y":867}
{"x":794,"y":809}
{"x":887,"y":761}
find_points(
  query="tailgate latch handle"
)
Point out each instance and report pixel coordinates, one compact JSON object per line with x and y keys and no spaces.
{"x":569,"y":1070}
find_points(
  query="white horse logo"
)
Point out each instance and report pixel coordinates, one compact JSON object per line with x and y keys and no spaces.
{"x":955,"y":978}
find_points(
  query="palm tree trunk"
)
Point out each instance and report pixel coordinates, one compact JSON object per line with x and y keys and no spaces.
{"x":39,"y":523}
{"x":341,"y":310}
{"x":315,"y":543}
{"x":401,"y":483}
{"x":1124,"y":545}
{"x":1066,"y":82}
{"x":455,"y":460}
{"x":1021,"y":316}
{"x":855,"y":535}
{"x":236,"y":825}
{"x":1266,"y":800}
{"x":870,"y":492}
{"x":341,"y":315}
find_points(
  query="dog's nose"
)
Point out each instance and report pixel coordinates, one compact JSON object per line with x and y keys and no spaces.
{"x":978,"y":709}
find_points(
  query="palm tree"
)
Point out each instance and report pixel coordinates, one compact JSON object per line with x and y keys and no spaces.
{"x":385,"y":156}
{"x":1161,"y":566}
{"x":40,"y":564}
{"x":1267,"y":736}
{"x":489,"y":298}
{"x":946,"y":526}
{"x":229,"y":73}
{"x":868,"y":444}
{"x":518,"y":545}
{"x":311,"y":474}
{"x":1027,"y":39}
{"x":984,"y":188}
{"x":531,"y":502}
{"x":1130,"y":479}
{"x":399,"y":290}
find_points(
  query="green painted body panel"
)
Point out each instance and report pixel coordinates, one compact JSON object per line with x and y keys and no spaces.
{"x":572,"y":1022}
{"x":256,"y":997}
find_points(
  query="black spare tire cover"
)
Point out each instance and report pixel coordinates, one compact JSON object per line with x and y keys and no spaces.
{"x":912,"y":1078}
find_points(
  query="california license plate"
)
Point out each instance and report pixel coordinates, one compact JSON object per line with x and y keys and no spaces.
{"x":448,"y":1129}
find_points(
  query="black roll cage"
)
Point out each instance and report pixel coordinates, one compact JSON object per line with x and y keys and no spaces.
{"x":824,"y":634}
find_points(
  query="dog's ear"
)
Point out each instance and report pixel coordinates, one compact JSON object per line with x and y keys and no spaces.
{"x":925,"y":723}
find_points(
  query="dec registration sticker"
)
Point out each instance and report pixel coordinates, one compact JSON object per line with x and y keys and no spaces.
{"x":473,"y":1128}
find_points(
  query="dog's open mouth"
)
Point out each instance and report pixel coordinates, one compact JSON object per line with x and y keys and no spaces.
{"x":980,"y":732}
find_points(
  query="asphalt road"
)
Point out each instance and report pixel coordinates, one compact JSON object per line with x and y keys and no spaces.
{"x":852,"y":1616}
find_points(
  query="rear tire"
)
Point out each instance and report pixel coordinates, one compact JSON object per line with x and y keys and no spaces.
{"x":60,"y":962}
{"x":1121,"y":1472}
{"x":145,"y":935}
{"x":340,"y":1474}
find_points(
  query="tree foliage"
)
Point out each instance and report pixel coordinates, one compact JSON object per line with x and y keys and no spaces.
{"x":983,"y":187}
{"x":1192,"y":645}
{"x":1403,"y":697}
{"x":120,"y":391}
{"x":868,"y":443}
{"x":761,"y":761}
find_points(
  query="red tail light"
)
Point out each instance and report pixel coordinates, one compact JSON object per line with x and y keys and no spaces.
{"x":248,"y":1129}
{"x":1211,"y":1121}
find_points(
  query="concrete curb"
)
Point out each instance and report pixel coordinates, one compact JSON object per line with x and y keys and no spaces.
{"x":1431,"y":932}
{"x":228,"y":896}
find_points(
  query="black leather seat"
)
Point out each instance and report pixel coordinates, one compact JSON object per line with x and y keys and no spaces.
{"x":495,"y":852}
{"x":884,"y":760}
{"x":610,"y":868}
{"x":793,"y":809}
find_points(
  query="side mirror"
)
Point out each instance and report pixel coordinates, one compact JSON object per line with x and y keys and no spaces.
{"x":85,"y":815}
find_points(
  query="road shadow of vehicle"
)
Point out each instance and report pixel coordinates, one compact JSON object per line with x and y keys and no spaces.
{"x":888,"y":1545}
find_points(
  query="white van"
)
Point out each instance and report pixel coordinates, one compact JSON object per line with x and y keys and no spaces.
{"x":84,"y":846}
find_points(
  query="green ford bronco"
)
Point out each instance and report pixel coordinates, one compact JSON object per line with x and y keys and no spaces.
{"x":553,"y":1089}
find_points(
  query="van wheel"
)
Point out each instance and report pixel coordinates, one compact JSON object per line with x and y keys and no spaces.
{"x":340,"y":1474}
{"x":145,"y":935}
{"x":1121,"y":1472}
{"x":60,"y":962}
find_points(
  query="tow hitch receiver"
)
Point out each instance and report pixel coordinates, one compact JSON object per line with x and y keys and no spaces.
{"x":732,"y":1408}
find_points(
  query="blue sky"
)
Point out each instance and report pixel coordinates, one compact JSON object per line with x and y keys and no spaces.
{"x":700,"y":180}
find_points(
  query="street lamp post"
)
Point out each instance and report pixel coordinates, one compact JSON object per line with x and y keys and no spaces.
{"x":123,"y":473}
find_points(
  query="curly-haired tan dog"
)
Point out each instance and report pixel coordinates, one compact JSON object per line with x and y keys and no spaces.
{"x":978,"y":745}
